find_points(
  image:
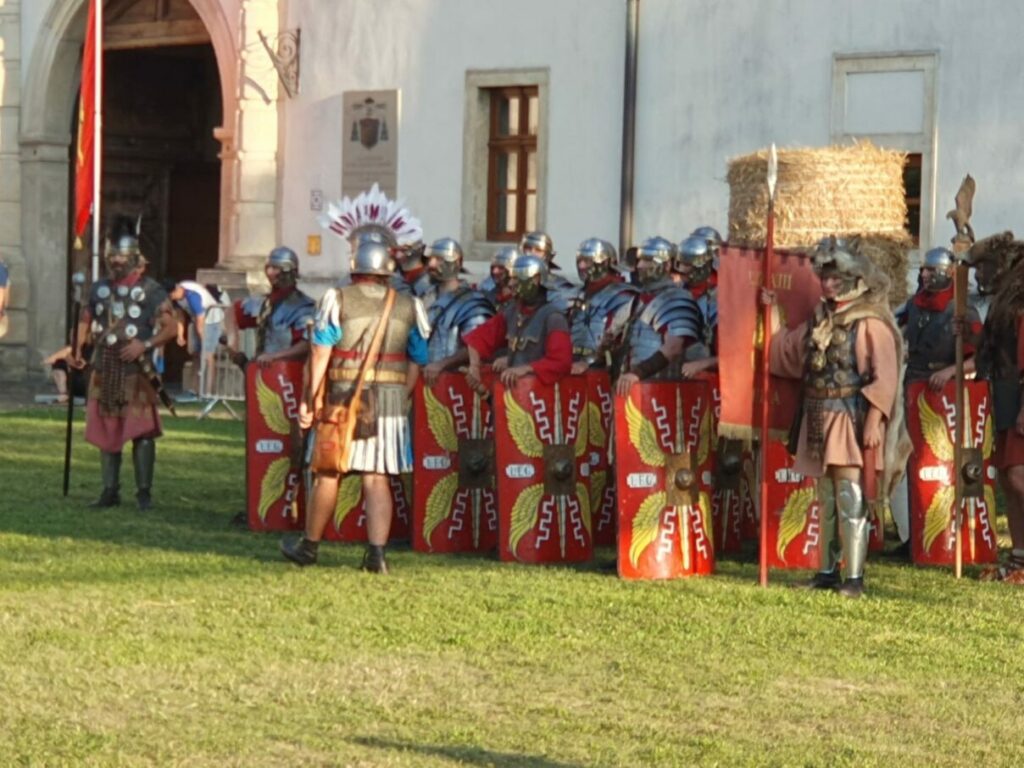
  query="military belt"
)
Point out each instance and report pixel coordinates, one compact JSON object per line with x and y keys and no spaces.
{"x":355,"y":354}
{"x":381,"y":377}
{"x":830,"y":393}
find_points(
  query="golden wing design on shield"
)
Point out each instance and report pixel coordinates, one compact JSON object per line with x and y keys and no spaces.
{"x":585,"y":512}
{"x":646,"y":525}
{"x":439,"y":504}
{"x":704,"y":438}
{"x":643,"y":437}
{"x":794,"y":519}
{"x":990,"y":504}
{"x":704,"y":503}
{"x":934,"y":431}
{"x":598,"y":481}
{"x":988,"y":439}
{"x":521,"y":427}
{"x":440,"y":421}
{"x":937,"y":516}
{"x":595,"y":429}
{"x":271,"y":408}
{"x":525,"y":512}
{"x":350,"y":490}
{"x":272,"y":485}
{"x":582,"y":435}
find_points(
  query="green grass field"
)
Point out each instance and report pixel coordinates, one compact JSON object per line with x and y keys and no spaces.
{"x":170,"y":639}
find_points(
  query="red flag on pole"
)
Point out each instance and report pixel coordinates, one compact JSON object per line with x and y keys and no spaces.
{"x":84,"y":155}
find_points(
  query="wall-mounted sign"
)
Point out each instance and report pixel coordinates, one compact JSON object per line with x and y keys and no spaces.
{"x":313,"y":245}
{"x":369,"y":151}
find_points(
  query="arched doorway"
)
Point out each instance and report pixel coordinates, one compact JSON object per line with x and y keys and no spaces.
{"x":170,"y":111}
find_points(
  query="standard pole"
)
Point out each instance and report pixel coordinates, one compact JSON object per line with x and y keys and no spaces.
{"x":97,"y":141}
{"x":629,"y":126}
{"x":766,"y":319}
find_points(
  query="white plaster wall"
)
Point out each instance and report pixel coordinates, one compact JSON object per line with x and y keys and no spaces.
{"x":717,"y":78}
{"x":423,"y":48}
{"x":720,"y":79}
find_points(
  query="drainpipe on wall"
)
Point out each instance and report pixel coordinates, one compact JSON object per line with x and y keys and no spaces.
{"x":629,"y":127}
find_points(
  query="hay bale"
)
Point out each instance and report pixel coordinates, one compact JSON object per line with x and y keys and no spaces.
{"x":842,"y":191}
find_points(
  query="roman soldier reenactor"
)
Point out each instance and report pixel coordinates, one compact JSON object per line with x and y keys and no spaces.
{"x":696,"y":265}
{"x":498,"y":284}
{"x":533,"y":330}
{"x":454,"y":308}
{"x":601,"y":308}
{"x":848,"y":356}
{"x":664,"y":319}
{"x":281,"y":316}
{"x":347,"y":323}
{"x":127,"y":317}
{"x":999,"y":264}
{"x":559,"y":289}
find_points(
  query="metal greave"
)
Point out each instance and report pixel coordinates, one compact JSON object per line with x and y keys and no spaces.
{"x":830,"y":544}
{"x":853,"y":517}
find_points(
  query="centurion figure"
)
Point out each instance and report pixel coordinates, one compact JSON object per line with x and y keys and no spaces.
{"x":454,"y":308}
{"x":127,"y":317}
{"x":848,"y":356}
{"x":601,"y":308}
{"x":664,"y":318}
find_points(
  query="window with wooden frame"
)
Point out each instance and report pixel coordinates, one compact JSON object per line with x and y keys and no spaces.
{"x":912,"y":193}
{"x":512,"y":162}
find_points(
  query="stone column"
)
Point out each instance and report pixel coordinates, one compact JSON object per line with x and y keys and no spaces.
{"x":13,"y":346}
{"x":253,"y":158}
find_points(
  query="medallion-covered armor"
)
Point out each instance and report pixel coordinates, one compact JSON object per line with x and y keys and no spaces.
{"x":591,"y":316}
{"x":452,"y":314}
{"x":277,"y":324}
{"x":670,"y":312}
{"x":121,"y":313}
{"x":833,"y":382}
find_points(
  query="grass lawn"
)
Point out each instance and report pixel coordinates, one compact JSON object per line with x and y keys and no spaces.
{"x":170,"y":639}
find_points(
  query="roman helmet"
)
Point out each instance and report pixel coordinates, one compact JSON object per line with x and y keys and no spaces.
{"x":123,"y":242}
{"x":448,"y":253}
{"x":526,"y":270}
{"x":373,"y":258}
{"x":595,"y":258}
{"x":501,"y":264}
{"x":695,"y":260}
{"x":940,"y":262}
{"x":286,"y":262}
{"x":654,"y":259}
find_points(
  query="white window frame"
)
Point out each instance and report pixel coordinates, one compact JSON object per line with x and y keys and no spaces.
{"x":925,"y":142}
{"x":476,"y":133}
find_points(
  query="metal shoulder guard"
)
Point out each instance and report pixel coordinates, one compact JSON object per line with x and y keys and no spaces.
{"x":590,"y":317}
{"x":673,"y":312}
{"x":452,"y":316}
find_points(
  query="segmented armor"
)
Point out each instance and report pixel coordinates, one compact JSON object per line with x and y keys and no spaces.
{"x":591,"y":316}
{"x":453,"y":314}
{"x":671,"y":311}
{"x":277,"y":324}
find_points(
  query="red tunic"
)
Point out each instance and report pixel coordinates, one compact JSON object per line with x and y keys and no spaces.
{"x":1009,"y":442}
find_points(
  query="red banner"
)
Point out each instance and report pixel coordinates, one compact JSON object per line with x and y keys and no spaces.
{"x":273,"y":450}
{"x":798,"y":289}
{"x":86,"y":126}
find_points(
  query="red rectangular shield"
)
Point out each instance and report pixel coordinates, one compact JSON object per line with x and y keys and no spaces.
{"x":455,"y":506}
{"x":930,"y":472}
{"x":273,"y":446}
{"x":543,"y":471}
{"x":600,"y":419}
{"x":348,"y":523}
{"x":663,"y":446}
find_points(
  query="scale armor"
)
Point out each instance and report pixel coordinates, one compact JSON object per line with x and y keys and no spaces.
{"x":670,"y":312}
{"x":590,"y":317}
{"x":452,"y":315}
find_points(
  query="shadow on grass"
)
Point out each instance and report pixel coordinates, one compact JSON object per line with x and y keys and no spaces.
{"x":464,"y":754}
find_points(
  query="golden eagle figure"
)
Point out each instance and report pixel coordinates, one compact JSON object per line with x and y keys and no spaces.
{"x":961,"y":215}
